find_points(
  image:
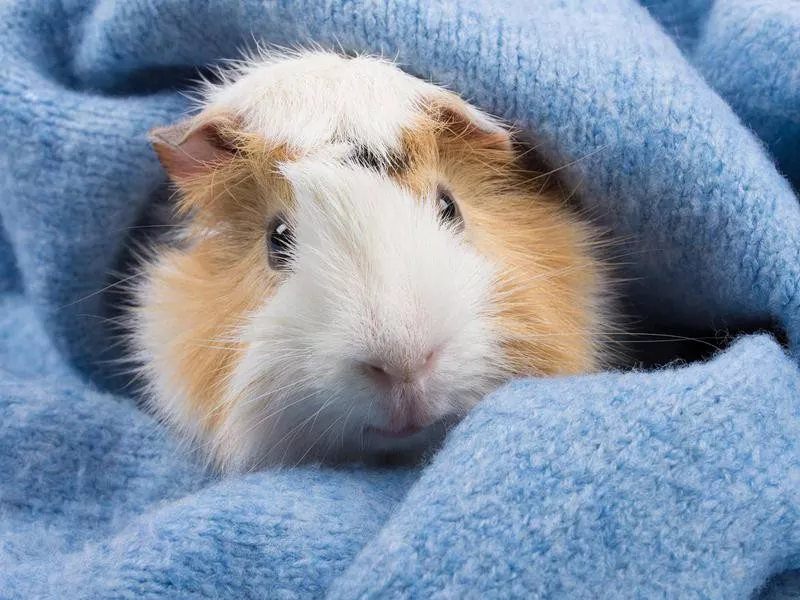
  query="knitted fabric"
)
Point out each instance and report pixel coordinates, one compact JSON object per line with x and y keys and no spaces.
{"x":679,"y":125}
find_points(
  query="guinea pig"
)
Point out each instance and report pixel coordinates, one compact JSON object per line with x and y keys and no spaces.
{"x":363,"y":257}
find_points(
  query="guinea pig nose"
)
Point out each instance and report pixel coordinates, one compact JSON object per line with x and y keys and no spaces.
{"x":394,"y":373}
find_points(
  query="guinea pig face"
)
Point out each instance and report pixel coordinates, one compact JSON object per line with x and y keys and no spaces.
{"x":363,"y":260}
{"x":381,"y":329}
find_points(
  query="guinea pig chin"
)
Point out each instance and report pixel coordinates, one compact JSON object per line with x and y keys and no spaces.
{"x":381,"y":333}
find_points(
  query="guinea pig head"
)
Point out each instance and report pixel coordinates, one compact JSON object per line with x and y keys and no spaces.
{"x":363,"y":260}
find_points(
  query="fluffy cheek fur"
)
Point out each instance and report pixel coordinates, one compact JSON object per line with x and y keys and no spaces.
{"x":189,"y":306}
{"x":375,"y":274}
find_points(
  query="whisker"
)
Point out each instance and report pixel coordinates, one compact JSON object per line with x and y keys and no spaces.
{"x":302,"y":424}
{"x":100,"y":291}
{"x":319,"y":438}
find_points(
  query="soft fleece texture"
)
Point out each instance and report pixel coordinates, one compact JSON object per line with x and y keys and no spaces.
{"x":681,"y":122}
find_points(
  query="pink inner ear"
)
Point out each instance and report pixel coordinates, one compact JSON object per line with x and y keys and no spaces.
{"x":470,"y":123}
{"x":186,"y":152}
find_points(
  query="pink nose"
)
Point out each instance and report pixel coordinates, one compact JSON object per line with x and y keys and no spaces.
{"x":398,"y":373}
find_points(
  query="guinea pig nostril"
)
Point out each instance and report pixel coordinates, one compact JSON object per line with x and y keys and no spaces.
{"x":388,"y":373}
{"x":374,"y":370}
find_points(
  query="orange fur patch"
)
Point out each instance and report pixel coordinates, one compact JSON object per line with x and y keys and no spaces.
{"x":550,"y":293}
{"x":206,"y":290}
{"x":548,"y":296}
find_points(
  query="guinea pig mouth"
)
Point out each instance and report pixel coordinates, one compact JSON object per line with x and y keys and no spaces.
{"x":405,"y":432}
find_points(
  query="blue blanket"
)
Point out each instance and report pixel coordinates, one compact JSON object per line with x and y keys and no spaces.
{"x":679,"y":120}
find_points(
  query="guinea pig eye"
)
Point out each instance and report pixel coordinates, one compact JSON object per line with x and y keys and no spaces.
{"x":280,"y":241}
{"x":448,"y":209}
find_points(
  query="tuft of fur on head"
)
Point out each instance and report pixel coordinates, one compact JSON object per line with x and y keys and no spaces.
{"x":265,"y":365}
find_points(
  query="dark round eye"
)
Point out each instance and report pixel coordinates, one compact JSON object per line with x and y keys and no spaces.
{"x":280,"y":243}
{"x":448,"y":209}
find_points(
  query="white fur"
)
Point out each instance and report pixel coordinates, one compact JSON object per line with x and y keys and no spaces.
{"x":310,"y":99}
{"x":376,"y":274}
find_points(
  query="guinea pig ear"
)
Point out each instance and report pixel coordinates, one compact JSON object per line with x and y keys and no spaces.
{"x":465,"y":122}
{"x":193,"y":147}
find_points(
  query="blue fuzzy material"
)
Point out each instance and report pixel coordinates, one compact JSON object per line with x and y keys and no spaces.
{"x":680,"y":121}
